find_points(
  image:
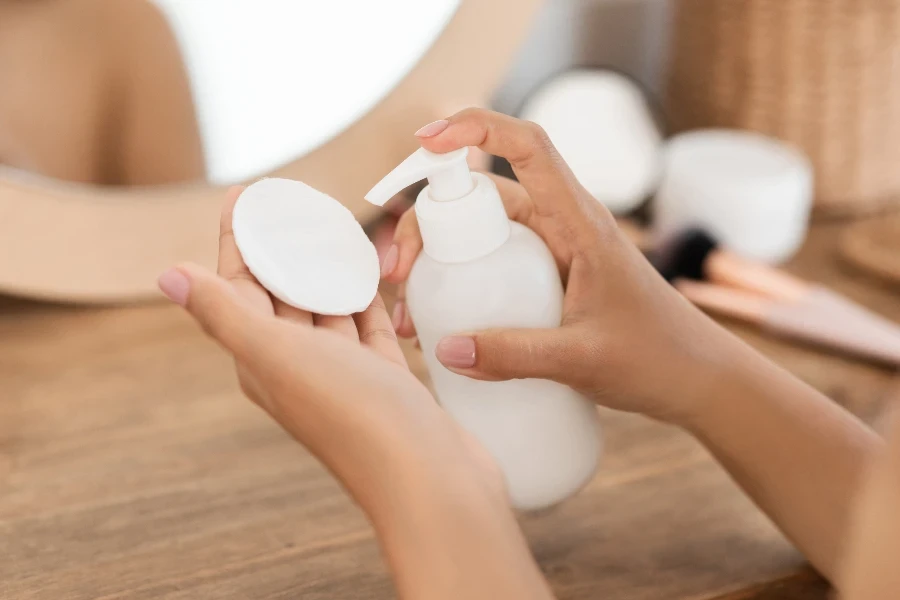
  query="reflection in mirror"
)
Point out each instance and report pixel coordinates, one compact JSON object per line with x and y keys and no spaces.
{"x":275,"y":79}
{"x":95,"y":91}
{"x":148,"y":92}
{"x":120,"y":96}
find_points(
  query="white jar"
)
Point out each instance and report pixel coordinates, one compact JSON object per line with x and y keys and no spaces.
{"x":752,"y":193}
{"x":603,"y":128}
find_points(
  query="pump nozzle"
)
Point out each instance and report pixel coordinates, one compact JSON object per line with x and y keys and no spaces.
{"x":448,"y":176}
{"x":460,"y":213}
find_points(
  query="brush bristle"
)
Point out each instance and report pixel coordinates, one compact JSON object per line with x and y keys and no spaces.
{"x":685,"y":256}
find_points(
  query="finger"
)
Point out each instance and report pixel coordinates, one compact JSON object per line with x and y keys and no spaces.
{"x":503,"y":354}
{"x":400,"y":319}
{"x":233,"y":268}
{"x":407,"y":244}
{"x":527,"y":147}
{"x":479,"y":160}
{"x":219,"y":309}
{"x":515,"y":199}
{"x":343,"y":326}
{"x":296,"y":315}
{"x":399,"y":259}
{"x":376,"y":332}
{"x":231,"y":264}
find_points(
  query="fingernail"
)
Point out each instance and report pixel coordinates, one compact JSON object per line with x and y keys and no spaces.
{"x":456,"y":352}
{"x":399,"y":315}
{"x":390,"y":261}
{"x":432,"y":129}
{"x":175,"y":285}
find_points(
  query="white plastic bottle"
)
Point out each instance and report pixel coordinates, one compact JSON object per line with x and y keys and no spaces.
{"x":478,"y":271}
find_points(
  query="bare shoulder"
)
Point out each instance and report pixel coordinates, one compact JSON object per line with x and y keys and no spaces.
{"x":157,"y":134}
{"x":91,"y":88}
{"x":115,"y":12}
{"x":123,"y":27}
{"x":149,"y":109}
{"x":138,"y":16}
{"x":93,"y":29}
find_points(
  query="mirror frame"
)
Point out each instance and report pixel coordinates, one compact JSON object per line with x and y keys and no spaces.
{"x":76,"y":243}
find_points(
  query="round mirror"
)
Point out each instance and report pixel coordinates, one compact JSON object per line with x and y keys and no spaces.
{"x":121,"y":121}
{"x":274,"y":79}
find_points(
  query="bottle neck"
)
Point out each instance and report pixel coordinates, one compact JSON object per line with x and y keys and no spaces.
{"x":466,"y":229}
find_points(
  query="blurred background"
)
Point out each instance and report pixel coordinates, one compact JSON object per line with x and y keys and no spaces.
{"x":103,"y":102}
{"x":273,"y":80}
{"x":307,"y":102}
{"x":771,"y":126}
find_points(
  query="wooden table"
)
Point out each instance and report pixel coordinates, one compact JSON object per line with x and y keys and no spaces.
{"x":131,"y":467}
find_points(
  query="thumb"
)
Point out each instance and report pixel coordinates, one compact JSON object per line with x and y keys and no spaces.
{"x":503,"y":354}
{"x":212,"y":302}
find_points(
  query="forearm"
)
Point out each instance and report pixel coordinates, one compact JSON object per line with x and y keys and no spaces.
{"x":435,"y":497}
{"x":869,"y":566}
{"x":447,"y":537}
{"x":797,"y":454}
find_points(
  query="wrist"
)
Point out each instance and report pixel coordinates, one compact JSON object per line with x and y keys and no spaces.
{"x":446,"y":532}
{"x":446,"y":470}
{"x":724,"y":383}
{"x":706,"y":376}
{"x":424,"y":499}
{"x":386,"y":470}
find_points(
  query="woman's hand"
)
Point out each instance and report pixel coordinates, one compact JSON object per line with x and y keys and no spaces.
{"x":341,"y":387}
{"x":631,"y":342}
{"x":869,"y":568}
{"x":326,"y":378}
{"x":627,"y":339}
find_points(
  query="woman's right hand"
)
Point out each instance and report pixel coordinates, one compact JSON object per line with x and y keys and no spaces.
{"x":627,"y":339}
{"x":631,"y":342}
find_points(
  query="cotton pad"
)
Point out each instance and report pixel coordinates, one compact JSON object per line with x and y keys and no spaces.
{"x":305,"y":247}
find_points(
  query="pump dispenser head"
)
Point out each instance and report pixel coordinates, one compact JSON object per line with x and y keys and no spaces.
{"x":460,"y":213}
{"x":448,"y":176}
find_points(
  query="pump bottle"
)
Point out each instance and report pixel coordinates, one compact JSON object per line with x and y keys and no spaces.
{"x":478,"y":270}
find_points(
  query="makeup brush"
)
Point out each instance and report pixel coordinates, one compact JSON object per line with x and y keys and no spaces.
{"x":719,"y":281}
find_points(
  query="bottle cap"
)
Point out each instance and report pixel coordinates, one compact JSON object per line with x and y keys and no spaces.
{"x":460,"y":214}
{"x":448,"y":176}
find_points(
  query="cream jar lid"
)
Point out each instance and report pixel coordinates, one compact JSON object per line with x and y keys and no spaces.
{"x":753,"y":193}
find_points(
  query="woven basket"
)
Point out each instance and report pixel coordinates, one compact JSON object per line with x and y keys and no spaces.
{"x":823,"y":75}
{"x":873,"y":245}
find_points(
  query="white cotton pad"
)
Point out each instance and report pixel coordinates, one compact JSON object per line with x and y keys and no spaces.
{"x":602,"y":126}
{"x":305,"y":247}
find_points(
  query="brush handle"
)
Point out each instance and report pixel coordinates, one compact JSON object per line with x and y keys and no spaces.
{"x":830,"y":320}
{"x":839,"y":304}
{"x":729,"y":269}
{"x":725,"y":301}
{"x":821,"y":317}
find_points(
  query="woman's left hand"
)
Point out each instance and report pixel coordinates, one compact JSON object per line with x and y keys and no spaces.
{"x":339,"y":385}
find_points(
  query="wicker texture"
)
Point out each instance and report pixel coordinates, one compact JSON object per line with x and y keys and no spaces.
{"x":823,"y":75}
{"x":874,"y":246}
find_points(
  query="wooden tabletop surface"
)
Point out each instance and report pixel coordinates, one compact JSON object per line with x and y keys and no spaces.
{"x":131,"y":467}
